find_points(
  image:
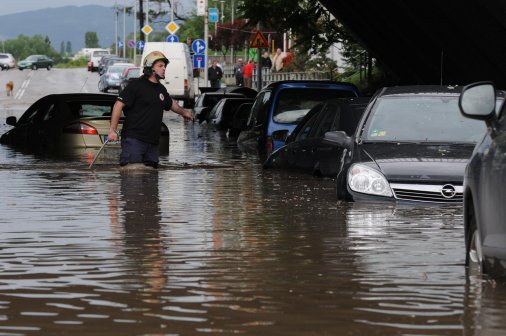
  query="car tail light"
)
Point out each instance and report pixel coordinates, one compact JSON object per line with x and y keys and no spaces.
{"x":186,"y":84}
{"x":80,"y":128}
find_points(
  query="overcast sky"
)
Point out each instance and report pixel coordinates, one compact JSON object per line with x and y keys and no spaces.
{"x":16,"y":6}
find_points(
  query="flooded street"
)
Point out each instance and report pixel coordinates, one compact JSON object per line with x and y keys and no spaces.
{"x":212,"y":244}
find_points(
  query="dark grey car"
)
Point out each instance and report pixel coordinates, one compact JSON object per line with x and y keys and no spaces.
{"x":484,"y":193}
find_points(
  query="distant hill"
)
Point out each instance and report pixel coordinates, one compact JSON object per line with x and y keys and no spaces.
{"x":68,"y":23}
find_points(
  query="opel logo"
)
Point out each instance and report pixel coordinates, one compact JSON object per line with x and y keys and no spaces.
{"x":448,"y":191}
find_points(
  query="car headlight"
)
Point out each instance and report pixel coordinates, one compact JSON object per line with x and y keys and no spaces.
{"x":365,"y":180}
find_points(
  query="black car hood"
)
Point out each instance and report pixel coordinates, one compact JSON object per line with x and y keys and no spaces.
{"x":421,"y":163}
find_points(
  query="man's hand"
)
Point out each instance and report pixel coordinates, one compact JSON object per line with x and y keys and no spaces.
{"x":112,"y":135}
{"x":187,"y":115}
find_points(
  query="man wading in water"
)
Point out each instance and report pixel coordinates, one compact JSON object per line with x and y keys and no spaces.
{"x":143,"y":102}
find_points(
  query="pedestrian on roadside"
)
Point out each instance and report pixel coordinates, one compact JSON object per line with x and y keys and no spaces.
{"x":214,"y":73}
{"x":248,"y":73}
{"x":266,"y":61}
{"x":238,"y":72}
{"x":143,"y":101}
{"x":277,"y":61}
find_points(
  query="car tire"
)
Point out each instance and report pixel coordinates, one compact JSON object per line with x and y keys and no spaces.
{"x":474,"y":251}
{"x":34,"y":67}
{"x":49,"y":67}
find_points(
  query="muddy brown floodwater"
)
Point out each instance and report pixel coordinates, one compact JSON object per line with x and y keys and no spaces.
{"x":211,"y":244}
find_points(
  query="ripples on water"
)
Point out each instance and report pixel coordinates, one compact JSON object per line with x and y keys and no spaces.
{"x":212,"y":244}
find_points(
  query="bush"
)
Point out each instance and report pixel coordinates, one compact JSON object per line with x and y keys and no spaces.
{"x":67,"y":63}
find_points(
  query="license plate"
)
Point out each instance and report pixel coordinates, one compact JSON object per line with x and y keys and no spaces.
{"x":105,"y":138}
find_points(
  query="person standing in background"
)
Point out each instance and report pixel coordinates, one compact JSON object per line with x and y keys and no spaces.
{"x":238,"y":72}
{"x":214,"y":73}
{"x":248,"y":73}
{"x":266,"y":61}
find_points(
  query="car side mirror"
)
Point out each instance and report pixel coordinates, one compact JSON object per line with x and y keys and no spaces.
{"x":280,"y":135}
{"x":477,"y":101}
{"x":339,"y":138}
{"x":11,"y":121}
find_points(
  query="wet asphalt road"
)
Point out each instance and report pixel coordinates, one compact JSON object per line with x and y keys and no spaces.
{"x":212,"y":244}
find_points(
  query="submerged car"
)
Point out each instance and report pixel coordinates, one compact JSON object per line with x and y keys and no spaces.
{"x":281,"y":105}
{"x":66,"y":122}
{"x":35,"y":62}
{"x":306,"y":149}
{"x":206,"y":101}
{"x":411,"y":145}
{"x":484,"y":196}
{"x":222,"y":114}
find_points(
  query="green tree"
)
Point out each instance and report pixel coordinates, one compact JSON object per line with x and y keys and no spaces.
{"x":91,"y":40}
{"x":62,"y":48}
{"x":68,"y":49}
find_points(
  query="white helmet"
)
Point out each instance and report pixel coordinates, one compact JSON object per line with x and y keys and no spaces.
{"x":154,"y":56}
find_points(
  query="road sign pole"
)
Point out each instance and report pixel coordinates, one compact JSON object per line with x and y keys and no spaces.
{"x":206,"y":40}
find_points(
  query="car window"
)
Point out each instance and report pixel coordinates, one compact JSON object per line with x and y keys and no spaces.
{"x":134,"y":73}
{"x":260,"y":110}
{"x":293,"y":103}
{"x":217,"y":107}
{"x":308,"y":127}
{"x":81,"y":109}
{"x":35,"y":113}
{"x":421,"y":119}
{"x":328,"y":121}
{"x":51,"y":112}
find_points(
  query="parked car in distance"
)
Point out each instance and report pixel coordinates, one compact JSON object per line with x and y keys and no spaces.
{"x":206,"y":101}
{"x":110,"y":61}
{"x":7,"y":61}
{"x":223,"y":113}
{"x":281,"y":105}
{"x":35,"y":62}
{"x":67,"y":123}
{"x":111,"y":79}
{"x":484,"y":196}
{"x":411,"y":145}
{"x":128,"y":75}
{"x":305,"y":149}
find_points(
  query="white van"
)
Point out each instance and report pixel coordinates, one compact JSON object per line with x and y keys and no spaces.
{"x":95,"y":56}
{"x":179,"y":72}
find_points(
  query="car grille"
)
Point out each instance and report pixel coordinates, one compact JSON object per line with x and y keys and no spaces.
{"x":443,"y":193}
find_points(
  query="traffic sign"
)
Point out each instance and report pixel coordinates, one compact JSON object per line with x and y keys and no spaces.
{"x":213,"y":15}
{"x":140,"y":45}
{"x":147,"y":29}
{"x":259,"y":41}
{"x":172,"y":38}
{"x":120,"y":45}
{"x":198,"y":46}
{"x":199,"y":60}
{"x":131,"y":43}
{"x":172,"y":27}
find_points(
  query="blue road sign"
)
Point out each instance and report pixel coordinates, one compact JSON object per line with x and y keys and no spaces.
{"x":213,"y":15}
{"x":131,"y":43}
{"x":172,"y":38}
{"x":199,"y":61}
{"x":120,"y":45}
{"x":198,"y":46}
{"x":140,"y":45}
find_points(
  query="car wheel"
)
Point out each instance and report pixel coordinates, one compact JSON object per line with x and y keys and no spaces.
{"x":34,"y":67}
{"x":49,"y":67}
{"x":474,"y":253}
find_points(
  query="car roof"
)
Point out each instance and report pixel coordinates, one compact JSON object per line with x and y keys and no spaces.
{"x":81,"y":95}
{"x":307,"y":83}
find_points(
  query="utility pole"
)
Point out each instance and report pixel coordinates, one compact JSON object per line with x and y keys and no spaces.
{"x":141,"y":18}
{"x":124,"y":29}
{"x":135,"y":31}
{"x":116,"y":27}
{"x":206,"y":40}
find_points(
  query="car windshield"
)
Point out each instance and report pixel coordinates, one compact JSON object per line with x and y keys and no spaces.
{"x":116,"y":69}
{"x":81,"y":109}
{"x":294,"y":103}
{"x":97,"y":53}
{"x":134,"y":73}
{"x":31,"y":58}
{"x":421,"y":119}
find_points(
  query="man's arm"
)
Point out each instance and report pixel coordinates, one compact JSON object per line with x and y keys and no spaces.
{"x":116,"y":114}
{"x":186,"y":114}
